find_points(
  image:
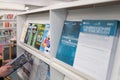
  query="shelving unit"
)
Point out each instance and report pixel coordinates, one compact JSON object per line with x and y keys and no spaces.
{"x":7,"y":23}
{"x":55,"y":16}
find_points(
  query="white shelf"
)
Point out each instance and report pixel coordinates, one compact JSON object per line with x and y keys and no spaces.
{"x":70,"y":73}
{"x":71,"y":69}
{"x":9,"y":20}
{"x":35,"y":11}
{"x":7,"y":28}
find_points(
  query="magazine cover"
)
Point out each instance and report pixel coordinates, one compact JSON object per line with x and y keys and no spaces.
{"x":33,"y":34}
{"x":39,"y":36}
{"x":19,"y":62}
{"x":43,"y":71}
{"x":29,"y":29}
{"x":68,"y":42}
{"x":45,"y":46}
{"x":23,"y":34}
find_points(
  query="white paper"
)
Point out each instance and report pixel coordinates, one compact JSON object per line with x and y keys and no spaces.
{"x":93,"y":54}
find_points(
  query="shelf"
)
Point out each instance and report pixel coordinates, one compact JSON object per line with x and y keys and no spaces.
{"x":69,"y":73}
{"x":72,"y":69}
{"x":35,"y":52}
{"x":45,"y":9}
{"x":7,"y":28}
{"x":9,"y":20}
{"x":84,"y":4}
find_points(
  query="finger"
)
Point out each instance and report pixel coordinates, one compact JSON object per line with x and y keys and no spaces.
{"x":9,"y":67}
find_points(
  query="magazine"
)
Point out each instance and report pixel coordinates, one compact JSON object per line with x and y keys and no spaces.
{"x":32,"y":34}
{"x":19,"y":62}
{"x":39,"y":36}
{"x":28,"y":32}
{"x":68,"y":42}
{"x":45,"y":45}
{"x":24,"y":30}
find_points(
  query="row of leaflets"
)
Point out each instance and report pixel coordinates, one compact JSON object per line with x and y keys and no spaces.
{"x":6,"y":36}
{"x":7,"y":24}
{"x":7,"y":16}
{"x":37,"y":36}
{"x":7,"y":32}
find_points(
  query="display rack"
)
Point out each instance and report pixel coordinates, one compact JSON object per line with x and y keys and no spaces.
{"x":55,"y":16}
{"x":8,"y":25}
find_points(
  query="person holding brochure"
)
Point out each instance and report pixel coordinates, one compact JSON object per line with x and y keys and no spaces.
{"x":4,"y":70}
{"x":12,"y":65}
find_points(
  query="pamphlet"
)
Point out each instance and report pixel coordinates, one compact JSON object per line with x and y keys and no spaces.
{"x":19,"y":62}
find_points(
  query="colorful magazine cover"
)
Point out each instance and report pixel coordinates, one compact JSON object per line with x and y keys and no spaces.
{"x":29,"y":29}
{"x":39,"y":36}
{"x":45,"y":46}
{"x":68,"y":42}
{"x":33,"y":34}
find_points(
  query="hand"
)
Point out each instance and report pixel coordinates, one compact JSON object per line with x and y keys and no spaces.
{"x":1,"y":57}
{"x":7,"y":61}
{"x":4,"y":70}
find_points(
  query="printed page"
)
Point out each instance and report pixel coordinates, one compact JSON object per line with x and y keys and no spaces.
{"x":94,"y":48}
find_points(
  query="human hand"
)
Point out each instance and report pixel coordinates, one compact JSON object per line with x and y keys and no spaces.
{"x":7,"y":61}
{"x":0,"y":56}
{"x":4,"y":70}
